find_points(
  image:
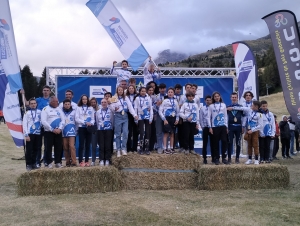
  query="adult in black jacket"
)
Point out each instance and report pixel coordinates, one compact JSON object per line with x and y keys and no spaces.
{"x":285,"y":137}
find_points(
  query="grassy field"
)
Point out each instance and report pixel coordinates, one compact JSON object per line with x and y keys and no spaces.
{"x":141,"y":207}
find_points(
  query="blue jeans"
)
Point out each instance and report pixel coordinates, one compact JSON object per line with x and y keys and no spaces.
{"x":292,"y":132}
{"x":159,"y":131}
{"x":121,"y":128}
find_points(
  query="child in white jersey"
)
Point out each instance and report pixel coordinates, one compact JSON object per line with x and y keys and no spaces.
{"x":169,"y":113}
{"x":144,"y":111}
{"x":32,"y":133}
{"x":69,"y":133}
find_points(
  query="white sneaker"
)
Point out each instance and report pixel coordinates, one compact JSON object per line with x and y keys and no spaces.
{"x":93,"y":164}
{"x":256,"y":162}
{"x":58,"y":165}
{"x":101,"y":163}
{"x":119,"y":154}
{"x":124,"y":152}
{"x":106,"y":163}
{"x":50,"y":166}
{"x":249,"y":161}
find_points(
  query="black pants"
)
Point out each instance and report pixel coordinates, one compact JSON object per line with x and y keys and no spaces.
{"x":144,"y":128}
{"x":179,"y":137}
{"x":51,"y":139}
{"x":188,"y":135}
{"x":84,"y":143}
{"x":276,"y":146}
{"x":219,"y":134}
{"x":285,"y":145}
{"x":205,"y":135}
{"x":152,"y":135}
{"x":234,"y":131}
{"x":39,"y":150}
{"x":296,"y":140}
{"x":32,"y":148}
{"x":104,"y":138}
{"x":132,"y":134}
{"x":264,"y":148}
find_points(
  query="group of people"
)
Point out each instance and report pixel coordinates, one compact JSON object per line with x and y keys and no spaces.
{"x":155,"y":117}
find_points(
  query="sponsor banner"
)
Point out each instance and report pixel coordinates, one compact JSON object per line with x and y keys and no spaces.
{"x":99,"y":91}
{"x":119,"y":31}
{"x":246,"y":70}
{"x":284,"y":33}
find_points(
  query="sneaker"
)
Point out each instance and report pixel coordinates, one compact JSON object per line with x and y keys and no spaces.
{"x":119,"y":154}
{"x":249,"y":161}
{"x":229,"y":161}
{"x":124,"y":152}
{"x":49,"y":166}
{"x":147,"y":152}
{"x":256,"y":162}
{"x":275,"y":158}
{"x":237,"y":161}
{"x":167,"y":151}
{"x":87,"y":164}
{"x":101,"y":163}
{"x":106,"y":163}
{"x":284,"y":157}
{"x":217,"y":162}
{"x":193,"y":152}
{"x":37,"y":166}
{"x":160,"y":151}
{"x":82,"y":164}
{"x":141,"y":152}
{"x":186,"y":152}
{"x":93,"y":164}
{"x":224,"y":161}
{"x":58,"y":165}
{"x":181,"y":150}
{"x":204,"y":161}
{"x":28,"y":168}
{"x":262,"y":162}
{"x":293,"y":154}
{"x":289,"y":157}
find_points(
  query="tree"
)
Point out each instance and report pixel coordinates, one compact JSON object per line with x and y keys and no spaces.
{"x":30,"y":83}
{"x":42,"y":83}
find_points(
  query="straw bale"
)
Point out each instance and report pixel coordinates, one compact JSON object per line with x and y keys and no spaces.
{"x":69,"y":180}
{"x":157,"y":161}
{"x":159,"y":180}
{"x":230,"y":177}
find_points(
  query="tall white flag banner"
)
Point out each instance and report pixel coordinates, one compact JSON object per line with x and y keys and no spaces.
{"x":10,"y":77}
{"x":120,"y":32}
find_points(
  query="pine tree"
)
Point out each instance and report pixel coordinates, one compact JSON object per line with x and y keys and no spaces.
{"x":42,"y":83}
{"x":30,"y":84}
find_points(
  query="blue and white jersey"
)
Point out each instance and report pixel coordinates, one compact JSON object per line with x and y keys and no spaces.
{"x":52,"y":118}
{"x":189,"y":110}
{"x":203,"y":116}
{"x":70,"y":124}
{"x":148,"y":76}
{"x":73,"y":104}
{"x":254,"y":120}
{"x":122,"y":104}
{"x":268,"y":126}
{"x":217,"y":115}
{"x":131,"y":98}
{"x":158,"y":97}
{"x":104,"y":119}
{"x":32,"y":122}
{"x":196,"y":100}
{"x":179,"y":99}
{"x":122,"y":74}
{"x":42,"y":102}
{"x":169,"y":108}
{"x":83,"y":115}
{"x":143,"y":108}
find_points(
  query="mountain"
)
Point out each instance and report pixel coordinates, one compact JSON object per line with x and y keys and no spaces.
{"x":169,"y":56}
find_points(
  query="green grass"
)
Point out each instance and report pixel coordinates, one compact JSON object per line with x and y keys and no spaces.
{"x":141,"y":207}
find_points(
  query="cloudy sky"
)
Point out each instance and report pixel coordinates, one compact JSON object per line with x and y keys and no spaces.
{"x":66,"y":33}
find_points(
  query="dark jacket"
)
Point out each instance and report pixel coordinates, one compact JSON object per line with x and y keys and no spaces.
{"x":284,"y":130}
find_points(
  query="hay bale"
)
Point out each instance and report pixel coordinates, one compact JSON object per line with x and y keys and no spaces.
{"x":69,"y":181}
{"x":267,"y":176}
{"x":157,"y":161}
{"x":159,"y":180}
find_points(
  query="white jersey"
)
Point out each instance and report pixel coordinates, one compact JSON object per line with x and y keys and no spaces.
{"x":52,"y":118}
{"x":189,"y":109}
{"x":122,"y":105}
{"x":122,"y":74}
{"x":203,"y":116}
{"x":217,"y":115}
{"x":73,"y":104}
{"x":268,"y":126}
{"x":143,"y":107}
{"x":105,"y":119}
{"x":131,"y":98}
{"x":83,"y":115}
{"x":70,"y":124}
{"x":196,"y":100}
{"x":254,"y":120}
{"x":169,"y":108}
{"x":148,"y":76}
{"x":32,"y":122}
